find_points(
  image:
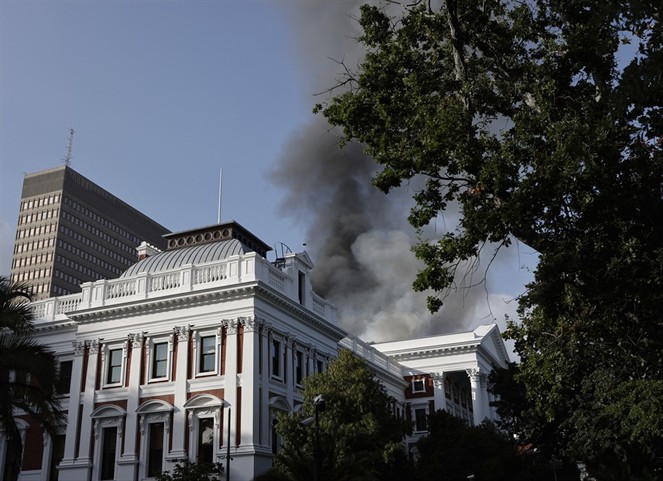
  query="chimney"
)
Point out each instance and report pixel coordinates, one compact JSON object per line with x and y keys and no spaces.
{"x":146,"y":250}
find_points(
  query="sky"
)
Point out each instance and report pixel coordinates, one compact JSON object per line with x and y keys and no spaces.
{"x":163,"y":94}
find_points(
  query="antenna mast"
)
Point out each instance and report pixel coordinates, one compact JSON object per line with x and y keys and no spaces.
{"x":70,"y":145}
{"x":218,"y":219}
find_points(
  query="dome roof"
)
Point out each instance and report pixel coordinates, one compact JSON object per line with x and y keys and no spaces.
{"x":197,"y":254}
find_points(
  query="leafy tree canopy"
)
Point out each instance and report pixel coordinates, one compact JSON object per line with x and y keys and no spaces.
{"x":360,"y":437}
{"x":453,"y":451}
{"x":541,"y":120}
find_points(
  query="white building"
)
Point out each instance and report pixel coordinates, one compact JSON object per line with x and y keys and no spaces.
{"x":206,"y":342}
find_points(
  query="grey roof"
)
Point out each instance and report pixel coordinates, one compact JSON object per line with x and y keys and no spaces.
{"x":197,"y":254}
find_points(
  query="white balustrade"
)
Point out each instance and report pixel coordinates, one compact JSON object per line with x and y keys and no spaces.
{"x":238,"y":269}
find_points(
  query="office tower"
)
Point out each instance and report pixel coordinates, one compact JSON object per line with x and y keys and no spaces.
{"x":71,"y":231}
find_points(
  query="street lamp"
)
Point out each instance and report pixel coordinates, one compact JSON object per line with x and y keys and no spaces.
{"x":319,"y":404}
{"x":227,"y":404}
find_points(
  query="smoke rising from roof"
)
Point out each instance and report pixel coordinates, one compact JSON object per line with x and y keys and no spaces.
{"x":359,"y":238}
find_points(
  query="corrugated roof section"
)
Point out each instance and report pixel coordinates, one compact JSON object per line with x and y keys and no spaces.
{"x":199,"y":254}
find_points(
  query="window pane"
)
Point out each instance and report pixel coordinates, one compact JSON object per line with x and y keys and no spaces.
{"x":64,"y":377}
{"x":205,"y":440}
{"x":57,"y":453}
{"x":299,"y":368}
{"x":160,"y":361}
{"x":420,"y":419}
{"x":155,"y":450}
{"x":114,"y":366}
{"x":108,"y":448}
{"x":276,"y":366}
{"x":207,"y":353}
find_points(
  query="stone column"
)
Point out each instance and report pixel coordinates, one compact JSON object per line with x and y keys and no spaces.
{"x":74,"y":404}
{"x":129,"y":458}
{"x":177,"y":450}
{"x":438,"y":391}
{"x":88,"y":402}
{"x":485,"y":395}
{"x":289,"y":374}
{"x":250,"y":414}
{"x":230,"y":385}
{"x":477,"y":398}
{"x":264,"y":384}
{"x":310,"y":367}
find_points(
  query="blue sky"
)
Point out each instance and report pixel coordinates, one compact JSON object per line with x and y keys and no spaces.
{"x":163,"y":94}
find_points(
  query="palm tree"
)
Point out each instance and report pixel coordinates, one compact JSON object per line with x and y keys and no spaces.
{"x":28,"y":373}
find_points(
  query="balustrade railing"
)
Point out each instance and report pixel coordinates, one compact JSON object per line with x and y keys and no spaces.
{"x":246,"y":268}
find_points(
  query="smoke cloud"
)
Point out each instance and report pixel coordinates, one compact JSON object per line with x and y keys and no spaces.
{"x":359,"y":238}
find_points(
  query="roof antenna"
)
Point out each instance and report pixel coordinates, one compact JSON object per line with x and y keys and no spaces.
{"x":70,"y":145}
{"x":218,"y":218}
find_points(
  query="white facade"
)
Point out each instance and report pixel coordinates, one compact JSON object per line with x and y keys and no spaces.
{"x":210,"y":340}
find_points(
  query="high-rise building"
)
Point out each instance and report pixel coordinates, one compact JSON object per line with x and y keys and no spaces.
{"x":71,"y":231}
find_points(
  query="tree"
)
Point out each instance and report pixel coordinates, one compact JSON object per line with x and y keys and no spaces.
{"x":453,"y":451}
{"x":542,"y":122}
{"x":359,"y":434}
{"x":188,"y":471}
{"x":28,"y":373}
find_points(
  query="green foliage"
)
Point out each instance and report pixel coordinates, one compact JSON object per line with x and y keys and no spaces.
{"x":360,"y":438}
{"x":453,"y":450}
{"x":32,"y":389}
{"x":188,"y":471}
{"x":542,"y":121}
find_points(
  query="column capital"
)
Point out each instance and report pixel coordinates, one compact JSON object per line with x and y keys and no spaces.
{"x":438,"y":378}
{"x":136,"y":340}
{"x":251,"y":324}
{"x":231,"y":325}
{"x":474,"y":374}
{"x":182,"y":332}
{"x":94,"y":346}
{"x":266,"y":329}
{"x":79,"y":347}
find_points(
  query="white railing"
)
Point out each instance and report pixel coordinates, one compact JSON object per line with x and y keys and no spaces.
{"x":235,"y":270}
{"x":371,"y":355}
{"x":319,"y":304}
{"x":164,"y":282}
{"x":117,"y":289}
{"x":39,"y":309}
{"x":67,"y":305}
{"x":47,"y":309}
{"x":277,"y":279}
{"x":207,"y":274}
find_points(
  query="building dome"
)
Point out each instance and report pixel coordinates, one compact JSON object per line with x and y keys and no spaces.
{"x":197,"y":254}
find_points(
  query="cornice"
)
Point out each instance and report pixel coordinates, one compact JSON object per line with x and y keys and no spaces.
{"x":55,"y":326}
{"x":433,"y":351}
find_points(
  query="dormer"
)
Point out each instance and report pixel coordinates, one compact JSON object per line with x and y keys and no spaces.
{"x":299,"y":267}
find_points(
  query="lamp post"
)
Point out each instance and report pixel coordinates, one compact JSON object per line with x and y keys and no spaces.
{"x":319,"y":404}
{"x":226,"y":403}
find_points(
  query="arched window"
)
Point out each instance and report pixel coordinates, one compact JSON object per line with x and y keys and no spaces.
{"x":205,"y":428}
{"x":108,"y":431}
{"x":277,"y":404}
{"x":154,"y":421}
